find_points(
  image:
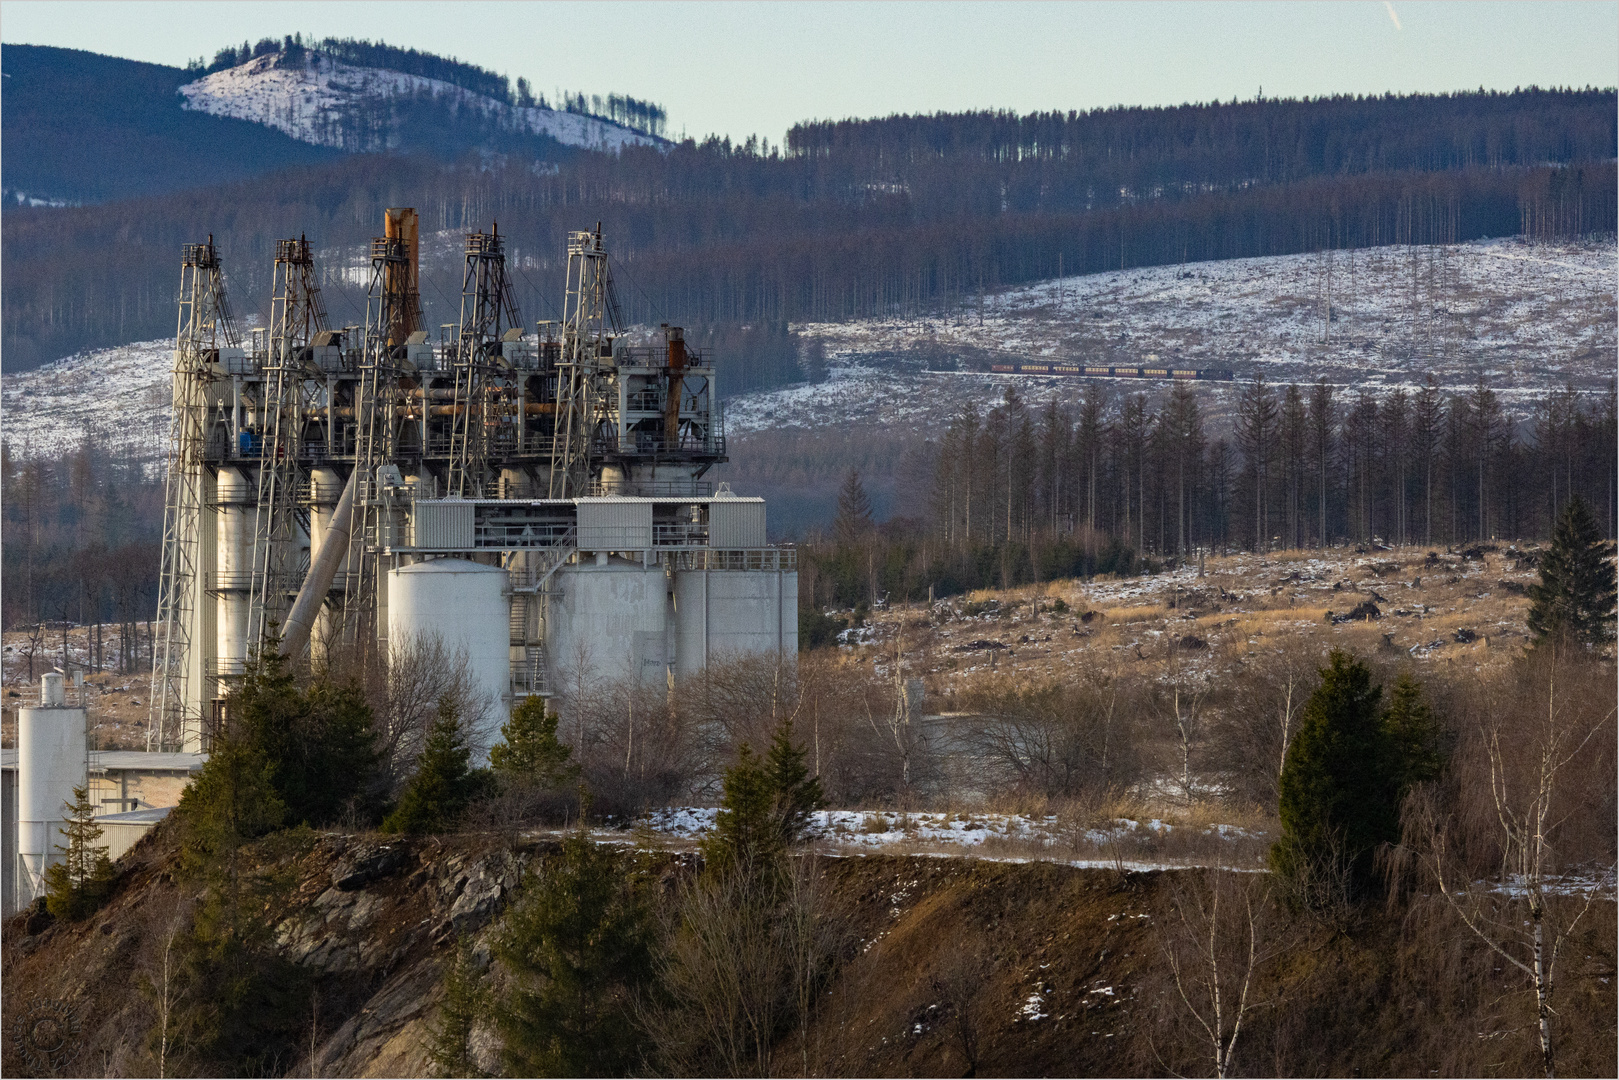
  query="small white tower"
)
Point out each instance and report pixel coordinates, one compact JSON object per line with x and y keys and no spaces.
{"x":51,"y":762}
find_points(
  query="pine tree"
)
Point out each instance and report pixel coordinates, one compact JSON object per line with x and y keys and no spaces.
{"x":797,"y":794}
{"x":1413,"y":733}
{"x":579,"y":945}
{"x":745,"y":830}
{"x":529,"y":750}
{"x":1339,"y":794}
{"x":466,"y":1000}
{"x":1576,"y":594}
{"x":854,"y":511}
{"x":443,"y":785}
{"x":81,"y":882}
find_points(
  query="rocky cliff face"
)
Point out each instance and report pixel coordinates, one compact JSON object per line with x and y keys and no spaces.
{"x":947,"y":966}
{"x":374,"y":918}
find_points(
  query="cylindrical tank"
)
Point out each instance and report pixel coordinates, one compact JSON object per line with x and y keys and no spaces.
{"x":50,"y":764}
{"x":465,"y":606}
{"x":237,"y":499}
{"x":609,"y":622}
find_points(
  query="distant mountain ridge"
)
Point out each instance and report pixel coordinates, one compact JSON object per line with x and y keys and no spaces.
{"x":79,"y":127}
{"x":319,"y":100}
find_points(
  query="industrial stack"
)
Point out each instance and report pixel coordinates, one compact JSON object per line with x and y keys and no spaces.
{"x":534,"y":501}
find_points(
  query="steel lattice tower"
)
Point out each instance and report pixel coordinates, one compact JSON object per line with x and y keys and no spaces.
{"x":589,"y":319}
{"x":296,"y":315}
{"x":204,"y":323}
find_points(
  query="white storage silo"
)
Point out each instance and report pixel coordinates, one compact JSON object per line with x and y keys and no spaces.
{"x":732,"y":613}
{"x":609,"y":622}
{"x":51,"y":762}
{"x":465,"y":606}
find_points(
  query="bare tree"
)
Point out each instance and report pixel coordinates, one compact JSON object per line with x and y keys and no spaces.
{"x":957,"y":982}
{"x":164,"y":985}
{"x":1530,"y":911}
{"x":404,"y":696}
{"x":739,"y":960}
{"x":1179,"y":701}
{"x":1215,"y":945}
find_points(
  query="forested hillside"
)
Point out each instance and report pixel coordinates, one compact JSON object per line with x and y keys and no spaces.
{"x":82,"y":128}
{"x":869,"y":217}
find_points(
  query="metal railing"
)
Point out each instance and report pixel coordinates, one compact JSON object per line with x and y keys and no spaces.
{"x":679,"y":534}
{"x":772,"y":558}
{"x":648,"y":443}
{"x":529,"y":675}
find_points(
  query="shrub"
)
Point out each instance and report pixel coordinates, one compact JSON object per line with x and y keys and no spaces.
{"x":443,"y":785}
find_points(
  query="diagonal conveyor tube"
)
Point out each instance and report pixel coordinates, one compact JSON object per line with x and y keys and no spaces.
{"x":306,"y":608}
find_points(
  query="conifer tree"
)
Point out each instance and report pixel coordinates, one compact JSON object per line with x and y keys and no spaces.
{"x":1339,"y":794}
{"x":797,"y":794}
{"x":1576,"y":594}
{"x":80,"y":883}
{"x":745,"y":830}
{"x":466,"y":1000}
{"x":766,"y":804}
{"x":443,"y":785}
{"x":854,"y":511}
{"x":579,"y":945}
{"x":1413,"y":733}
{"x":529,"y":750}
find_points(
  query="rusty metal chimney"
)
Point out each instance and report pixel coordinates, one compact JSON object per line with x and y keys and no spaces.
{"x":676,"y":338}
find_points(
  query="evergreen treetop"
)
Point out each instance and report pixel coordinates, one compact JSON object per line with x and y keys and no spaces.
{"x":529,"y":750}
{"x":77,"y":885}
{"x":1577,"y":590}
{"x":443,"y":784}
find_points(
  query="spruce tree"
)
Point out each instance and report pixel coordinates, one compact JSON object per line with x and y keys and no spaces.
{"x":443,"y":784}
{"x":797,"y":794}
{"x":529,"y":751}
{"x":854,"y":520}
{"x":466,"y":1000}
{"x":579,"y":945}
{"x":81,"y":882}
{"x":746,"y":833}
{"x":1577,"y":590}
{"x":1413,"y":733}
{"x":765,"y":807}
{"x":1339,"y":784}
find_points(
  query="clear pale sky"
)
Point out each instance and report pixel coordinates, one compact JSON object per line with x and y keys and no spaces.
{"x":737,"y":68}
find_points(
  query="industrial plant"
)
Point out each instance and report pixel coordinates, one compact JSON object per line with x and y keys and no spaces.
{"x":532,"y":497}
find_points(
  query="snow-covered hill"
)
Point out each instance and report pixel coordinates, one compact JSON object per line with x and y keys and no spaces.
{"x":1528,"y":318}
{"x":330,"y":103}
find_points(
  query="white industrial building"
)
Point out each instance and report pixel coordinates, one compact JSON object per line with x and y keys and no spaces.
{"x":533,"y":497}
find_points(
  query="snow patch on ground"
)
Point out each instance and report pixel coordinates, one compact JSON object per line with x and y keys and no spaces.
{"x":879,"y":829}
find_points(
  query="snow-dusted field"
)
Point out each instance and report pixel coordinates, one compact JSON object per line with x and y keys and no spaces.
{"x":302,"y":102}
{"x":1528,"y":318}
{"x":120,"y":394}
{"x":1525,"y":317}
